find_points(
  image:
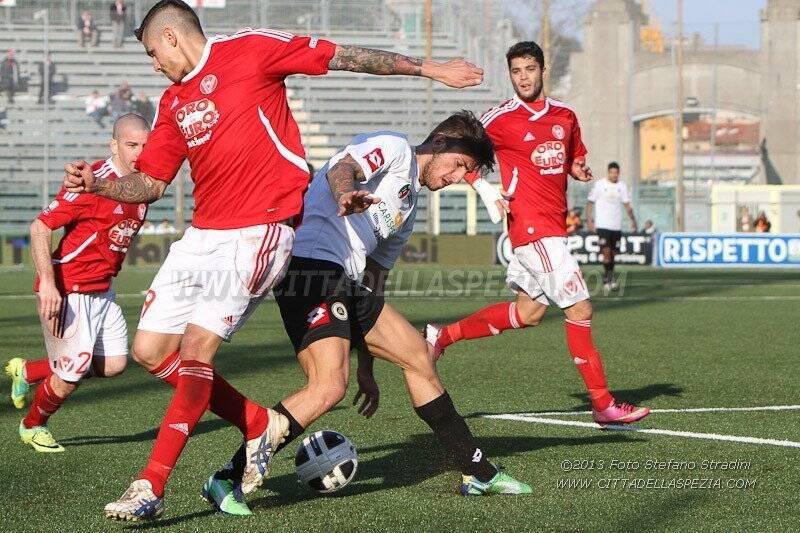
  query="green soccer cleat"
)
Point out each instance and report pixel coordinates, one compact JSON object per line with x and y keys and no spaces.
{"x":501,"y":483}
{"x":40,"y":438}
{"x":19,"y":387}
{"x":225,"y":496}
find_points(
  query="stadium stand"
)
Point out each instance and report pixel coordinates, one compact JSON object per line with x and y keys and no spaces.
{"x":329,"y":110}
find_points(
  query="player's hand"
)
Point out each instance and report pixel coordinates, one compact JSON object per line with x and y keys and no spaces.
{"x":581,"y":171}
{"x":506,"y":195}
{"x":355,"y":202}
{"x":368,"y":388}
{"x":454,"y":73}
{"x":503,"y":207}
{"x":78,"y":177}
{"x":49,"y":301}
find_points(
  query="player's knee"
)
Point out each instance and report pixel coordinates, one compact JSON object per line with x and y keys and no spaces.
{"x":331,"y":393}
{"x":114,"y":366}
{"x":580,"y":311}
{"x":531,"y":313}
{"x":145,"y":357}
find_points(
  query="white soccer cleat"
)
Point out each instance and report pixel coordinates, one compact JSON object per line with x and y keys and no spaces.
{"x":432,"y":332}
{"x":259,"y":451}
{"x":138,"y":503}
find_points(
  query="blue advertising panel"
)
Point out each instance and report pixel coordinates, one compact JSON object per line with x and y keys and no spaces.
{"x":728,"y":250}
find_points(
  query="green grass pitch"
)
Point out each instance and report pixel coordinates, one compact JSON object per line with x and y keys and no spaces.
{"x":675,"y":339}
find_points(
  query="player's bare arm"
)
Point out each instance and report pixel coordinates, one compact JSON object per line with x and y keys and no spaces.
{"x":49,"y":299}
{"x":133,"y":188}
{"x":342,"y":178}
{"x":629,"y":210}
{"x":454,"y":73}
{"x":590,"y":216}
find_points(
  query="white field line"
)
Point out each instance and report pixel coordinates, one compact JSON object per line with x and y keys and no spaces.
{"x":687,"y":410}
{"x":685,"y":434}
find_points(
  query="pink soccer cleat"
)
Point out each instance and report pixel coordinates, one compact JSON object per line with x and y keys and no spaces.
{"x":620,"y":413}
{"x":431,"y":334}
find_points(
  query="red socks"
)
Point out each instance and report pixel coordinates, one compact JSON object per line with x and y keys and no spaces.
{"x":45,"y":403}
{"x":588,"y":361}
{"x":488,"y":321}
{"x":226,"y":402}
{"x":191,"y":398}
{"x":36,"y":371}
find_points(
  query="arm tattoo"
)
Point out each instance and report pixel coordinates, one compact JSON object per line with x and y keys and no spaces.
{"x":343,"y":175}
{"x":356,"y":59}
{"x":132,"y":188}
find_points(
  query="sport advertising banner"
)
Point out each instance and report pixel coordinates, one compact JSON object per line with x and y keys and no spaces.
{"x":728,"y":250}
{"x":634,"y":249}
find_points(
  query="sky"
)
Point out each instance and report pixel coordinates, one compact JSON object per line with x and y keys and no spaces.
{"x":739,"y":20}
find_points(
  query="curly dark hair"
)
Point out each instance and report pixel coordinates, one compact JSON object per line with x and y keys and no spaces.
{"x":465,"y":131}
{"x":526,"y":49}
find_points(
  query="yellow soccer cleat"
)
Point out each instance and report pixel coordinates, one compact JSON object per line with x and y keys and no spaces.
{"x":40,"y":438}
{"x":19,"y":387}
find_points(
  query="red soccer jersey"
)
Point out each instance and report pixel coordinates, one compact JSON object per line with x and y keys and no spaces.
{"x":231,"y":119}
{"x":97,"y":234}
{"x":535,"y":145}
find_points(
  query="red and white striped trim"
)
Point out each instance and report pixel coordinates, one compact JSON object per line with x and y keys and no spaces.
{"x":71,"y":196}
{"x":263,"y":259}
{"x":542,"y":251}
{"x":580,"y":323}
{"x":512,"y":316}
{"x":170,"y":369}
{"x":72,"y":255}
{"x":492,"y":114}
{"x":197,"y":372}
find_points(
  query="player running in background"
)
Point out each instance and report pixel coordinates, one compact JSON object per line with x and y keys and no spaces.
{"x":608,"y":196}
{"x":84,"y":330}
{"x":227,"y":113}
{"x":359,"y":213}
{"x":538,"y":144}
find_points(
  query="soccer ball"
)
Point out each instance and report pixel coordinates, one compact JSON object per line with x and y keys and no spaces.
{"x":326,"y":461}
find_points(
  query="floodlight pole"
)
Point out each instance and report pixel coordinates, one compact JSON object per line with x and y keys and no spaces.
{"x":680,"y":195}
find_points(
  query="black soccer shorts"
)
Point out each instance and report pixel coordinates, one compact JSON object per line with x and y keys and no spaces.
{"x":608,"y":237}
{"x":317,"y":301}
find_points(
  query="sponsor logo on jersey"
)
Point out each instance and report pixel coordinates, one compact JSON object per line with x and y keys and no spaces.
{"x":318,"y":316}
{"x":118,"y":210}
{"x":375,"y":159}
{"x":549,"y":156}
{"x":529,"y":137}
{"x":558,"y":132}
{"x":404,"y":190}
{"x":385,"y":220}
{"x":208,"y":84}
{"x":122,"y":233}
{"x":195,"y":121}
{"x":49,"y":208}
{"x":339,"y":311}
{"x":142,"y":211}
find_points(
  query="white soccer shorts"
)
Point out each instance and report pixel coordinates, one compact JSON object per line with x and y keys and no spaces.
{"x":545,"y":270}
{"x":89,"y":325}
{"x":215,"y":279}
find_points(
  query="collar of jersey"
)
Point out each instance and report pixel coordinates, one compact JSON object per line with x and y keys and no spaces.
{"x":202,"y":63}
{"x":535,"y":115}
{"x":114,"y":168}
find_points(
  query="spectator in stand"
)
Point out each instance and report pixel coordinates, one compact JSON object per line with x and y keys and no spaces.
{"x":121,"y":102}
{"x":118,"y":11}
{"x":87,"y":30}
{"x":143,"y":107}
{"x":574,"y":223}
{"x":763,"y":225}
{"x":51,"y":74}
{"x":166,"y":227}
{"x":96,"y":107}
{"x":9,"y":75}
{"x":745,"y":220}
{"x":649,"y":228}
